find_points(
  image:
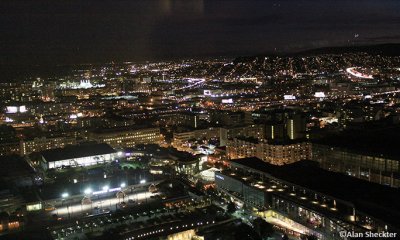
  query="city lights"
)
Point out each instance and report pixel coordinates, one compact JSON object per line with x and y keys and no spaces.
{"x":186,"y":139}
{"x":64,"y":195}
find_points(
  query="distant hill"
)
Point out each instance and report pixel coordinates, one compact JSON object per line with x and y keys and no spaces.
{"x":392,"y":49}
{"x":389,"y":49}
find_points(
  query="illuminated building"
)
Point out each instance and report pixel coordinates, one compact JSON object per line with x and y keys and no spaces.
{"x":302,"y":198}
{"x":254,"y":130}
{"x":229,"y":118}
{"x":186,"y":119}
{"x":41,"y":144}
{"x":77,"y":156}
{"x":9,"y":223}
{"x":283,"y":154}
{"x":9,"y":148}
{"x":360,"y":164}
{"x":277,"y":154}
{"x":283,"y":125}
{"x":127,"y":137}
{"x":241,"y":147}
{"x":8,"y":140}
{"x":83,"y":84}
{"x":180,"y":139}
{"x":19,"y":92}
{"x":187,"y":166}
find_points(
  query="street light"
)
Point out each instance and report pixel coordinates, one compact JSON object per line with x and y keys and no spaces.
{"x":65,"y":195}
{"x":88,"y":191}
{"x":142,"y":181}
{"x":123,"y":185}
{"x":105,"y":188}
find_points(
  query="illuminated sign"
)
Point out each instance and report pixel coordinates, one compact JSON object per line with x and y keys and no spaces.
{"x":319,"y":95}
{"x":289,"y":97}
{"x":219,"y":177}
{"x":22,"y":109}
{"x":207,"y":92}
{"x":230,"y":100}
{"x":16,"y":109}
{"x":12,"y":109}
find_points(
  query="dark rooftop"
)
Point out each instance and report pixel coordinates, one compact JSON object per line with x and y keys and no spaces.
{"x":122,"y":129}
{"x":380,"y":142}
{"x":372,"y":198}
{"x":77,"y":151}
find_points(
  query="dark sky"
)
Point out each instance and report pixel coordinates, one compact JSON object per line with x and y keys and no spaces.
{"x":70,"y":31}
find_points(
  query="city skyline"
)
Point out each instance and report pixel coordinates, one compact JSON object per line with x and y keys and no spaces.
{"x":199,"y":120}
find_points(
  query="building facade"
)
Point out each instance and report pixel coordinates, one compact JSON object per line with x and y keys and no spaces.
{"x":127,"y":137}
{"x":277,"y":154}
{"x":42,"y":144}
{"x":77,"y":156}
{"x":378,"y":169}
{"x":299,"y":207}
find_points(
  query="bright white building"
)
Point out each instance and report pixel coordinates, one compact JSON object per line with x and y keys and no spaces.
{"x":78,"y":155}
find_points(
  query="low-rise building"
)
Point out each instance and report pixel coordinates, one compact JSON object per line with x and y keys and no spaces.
{"x":43,"y":143}
{"x":301,"y":197}
{"x":9,"y":148}
{"x":78,"y":155}
{"x":368,"y":166}
{"x":126,"y":137}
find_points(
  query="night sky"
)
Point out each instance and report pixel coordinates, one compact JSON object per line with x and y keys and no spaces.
{"x":69,"y":31}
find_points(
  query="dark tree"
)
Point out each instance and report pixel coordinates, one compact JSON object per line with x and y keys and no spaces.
{"x":263,"y":228}
{"x":311,"y":237}
{"x":231,"y":208}
{"x":199,"y":185}
{"x":245,"y":232}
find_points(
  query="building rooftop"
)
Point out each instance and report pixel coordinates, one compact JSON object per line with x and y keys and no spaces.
{"x":77,"y":151}
{"x":122,"y":129}
{"x":374,"y":199}
{"x":379,"y":142}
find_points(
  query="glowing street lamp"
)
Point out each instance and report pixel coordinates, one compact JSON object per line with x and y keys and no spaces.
{"x":105,"y":188}
{"x":88,"y":191}
{"x":123,"y":185}
{"x":65,"y":195}
{"x":142,"y":181}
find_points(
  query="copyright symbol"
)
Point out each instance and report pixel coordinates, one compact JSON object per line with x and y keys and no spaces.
{"x":342,"y":234}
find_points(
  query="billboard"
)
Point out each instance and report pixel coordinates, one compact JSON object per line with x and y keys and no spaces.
{"x":319,"y":95}
{"x":289,"y":97}
{"x":207,"y":92}
{"x":12,"y":109}
{"x":230,"y":100}
{"x":16,"y":109}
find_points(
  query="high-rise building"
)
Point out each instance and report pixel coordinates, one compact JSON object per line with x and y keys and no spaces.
{"x":254,"y":130}
{"x":284,"y":125}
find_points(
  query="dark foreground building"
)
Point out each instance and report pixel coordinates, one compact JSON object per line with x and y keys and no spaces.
{"x":310,"y":200}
